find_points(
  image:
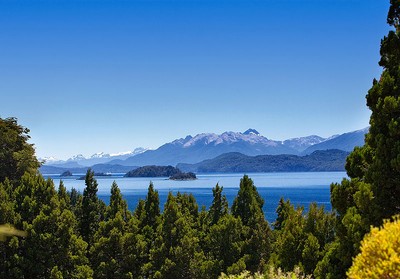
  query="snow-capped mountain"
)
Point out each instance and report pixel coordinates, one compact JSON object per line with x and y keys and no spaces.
{"x":301,"y":144}
{"x":97,"y":158}
{"x":345,"y":142}
{"x":78,"y":157}
{"x":251,"y":136}
{"x":205,"y":146}
{"x":49,"y":160}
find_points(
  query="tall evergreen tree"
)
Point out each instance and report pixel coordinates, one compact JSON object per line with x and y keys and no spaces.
{"x":383,"y":139}
{"x":248,"y":203}
{"x":91,"y":215}
{"x":117,"y":204}
{"x":219,"y":206}
{"x":373,"y":192}
{"x":248,"y":206}
{"x":151,"y":207}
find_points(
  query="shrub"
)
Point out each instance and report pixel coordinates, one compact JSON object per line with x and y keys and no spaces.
{"x":380,"y":253}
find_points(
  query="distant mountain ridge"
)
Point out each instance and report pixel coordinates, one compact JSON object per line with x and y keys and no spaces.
{"x":209,"y":145}
{"x":301,"y":144}
{"x":79,"y":161}
{"x":321,"y":160}
{"x":98,"y":168}
{"x":346,"y":142}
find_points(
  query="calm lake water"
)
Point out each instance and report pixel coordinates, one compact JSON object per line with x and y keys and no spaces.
{"x":300,"y":188}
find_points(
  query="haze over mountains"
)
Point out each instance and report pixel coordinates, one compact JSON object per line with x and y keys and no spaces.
{"x":97,"y":158}
{"x":192,"y":150}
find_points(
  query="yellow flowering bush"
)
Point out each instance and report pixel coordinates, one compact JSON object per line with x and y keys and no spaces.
{"x":273,"y":273}
{"x":380,"y":253}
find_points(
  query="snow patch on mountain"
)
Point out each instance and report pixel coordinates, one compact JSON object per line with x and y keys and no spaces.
{"x":48,"y":160}
{"x":251,"y":131}
{"x":250,"y":136}
{"x":78,"y":157}
{"x":99,"y":157}
{"x":302,"y":143}
{"x":203,"y":139}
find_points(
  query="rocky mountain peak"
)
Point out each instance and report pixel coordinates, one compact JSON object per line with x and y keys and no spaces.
{"x":251,"y":132}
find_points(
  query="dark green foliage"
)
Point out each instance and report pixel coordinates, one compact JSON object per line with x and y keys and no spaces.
{"x":383,"y":138}
{"x":183,"y":176}
{"x":117,"y":204}
{"x":17,"y":156}
{"x":66,"y":173}
{"x":219,"y":206}
{"x":224,"y":243}
{"x":152,"y":208}
{"x":322,"y":160}
{"x":52,"y":243}
{"x":372,"y":193}
{"x":153,"y":171}
{"x":8,"y":214}
{"x":248,"y":207}
{"x":300,"y":238}
{"x":91,"y":213}
{"x":74,"y":196}
{"x":64,"y":197}
{"x":283,"y":212}
{"x":248,"y":203}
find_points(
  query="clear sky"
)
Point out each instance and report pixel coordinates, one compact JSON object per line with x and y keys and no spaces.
{"x":91,"y":76}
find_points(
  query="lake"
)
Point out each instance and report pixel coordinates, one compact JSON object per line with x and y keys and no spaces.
{"x":301,"y":188}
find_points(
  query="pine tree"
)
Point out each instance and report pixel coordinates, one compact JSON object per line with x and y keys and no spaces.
{"x":152,"y":208}
{"x":219,"y":206}
{"x":372,"y":193}
{"x":383,"y":139}
{"x":248,"y":207}
{"x":91,"y":215}
{"x":117,"y":204}
{"x":248,"y":203}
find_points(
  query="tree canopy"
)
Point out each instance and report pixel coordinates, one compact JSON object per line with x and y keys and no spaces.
{"x":17,"y":156}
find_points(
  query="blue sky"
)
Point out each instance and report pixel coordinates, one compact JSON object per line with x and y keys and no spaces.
{"x":91,"y":76}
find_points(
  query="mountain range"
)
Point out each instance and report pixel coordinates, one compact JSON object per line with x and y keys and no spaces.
{"x":209,"y":145}
{"x":205,"y":146}
{"x":79,"y":161}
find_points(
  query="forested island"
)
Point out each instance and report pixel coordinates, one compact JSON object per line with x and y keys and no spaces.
{"x":183,"y":176}
{"x":161,"y":171}
{"x":66,"y":173}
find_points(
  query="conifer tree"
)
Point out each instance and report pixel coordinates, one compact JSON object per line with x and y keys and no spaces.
{"x":152,"y":208}
{"x":117,"y":204}
{"x":248,"y":203}
{"x":65,"y":200}
{"x":372,"y":193}
{"x":383,"y":139}
{"x":248,"y":207}
{"x":91,"y":215}
{"x":219,"y":206}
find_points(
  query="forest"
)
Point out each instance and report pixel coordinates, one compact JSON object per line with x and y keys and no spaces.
{"x":49,"y":232}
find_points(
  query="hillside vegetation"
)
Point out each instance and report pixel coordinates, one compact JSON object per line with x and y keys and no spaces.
{"x":329,"y":160}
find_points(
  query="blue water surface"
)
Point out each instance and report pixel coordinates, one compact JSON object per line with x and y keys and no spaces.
{"x":301,"y":188}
